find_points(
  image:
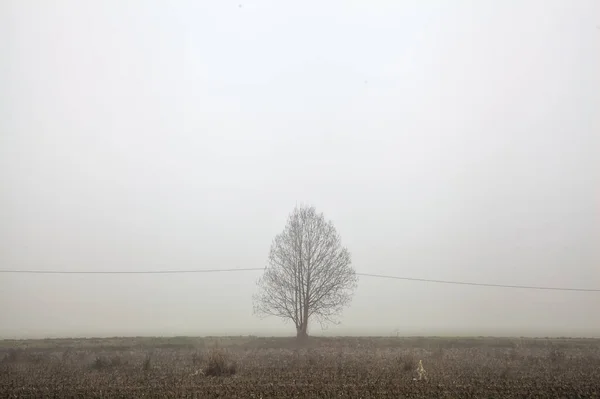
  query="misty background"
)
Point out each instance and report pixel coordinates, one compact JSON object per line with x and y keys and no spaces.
{"x":445,"y":140}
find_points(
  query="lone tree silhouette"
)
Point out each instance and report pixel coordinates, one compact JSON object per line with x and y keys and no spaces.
{"x":308,"y":275}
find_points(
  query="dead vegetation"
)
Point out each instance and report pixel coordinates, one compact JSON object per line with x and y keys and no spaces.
{"x":220,"y":363}
{"x":336,"y":367}
{"x":106,"y":362}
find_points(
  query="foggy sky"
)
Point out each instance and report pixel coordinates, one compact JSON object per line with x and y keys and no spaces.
{"x":446,"y":140}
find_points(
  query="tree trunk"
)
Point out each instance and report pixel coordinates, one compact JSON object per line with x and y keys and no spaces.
{"x":301,"y":332}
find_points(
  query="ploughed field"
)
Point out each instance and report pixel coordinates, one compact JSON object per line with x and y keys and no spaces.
{"x":346,"y":367}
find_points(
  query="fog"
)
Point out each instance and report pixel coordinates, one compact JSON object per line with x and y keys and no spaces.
{"x":445,"y":140}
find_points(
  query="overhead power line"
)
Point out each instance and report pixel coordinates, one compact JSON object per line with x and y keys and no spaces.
{"x":129,"y":271}
{"x":528,"y":287}
{"x":425,"y":280}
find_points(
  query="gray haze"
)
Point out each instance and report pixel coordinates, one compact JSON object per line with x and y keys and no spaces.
{"x":447,"y":140}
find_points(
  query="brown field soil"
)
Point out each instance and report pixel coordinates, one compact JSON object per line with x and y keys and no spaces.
{"x":343,"y":367}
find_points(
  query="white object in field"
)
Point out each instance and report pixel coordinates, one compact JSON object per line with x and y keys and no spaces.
{"x":421,"y":371}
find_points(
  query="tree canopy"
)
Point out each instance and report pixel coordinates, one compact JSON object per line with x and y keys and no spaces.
{"x":309,"y":274}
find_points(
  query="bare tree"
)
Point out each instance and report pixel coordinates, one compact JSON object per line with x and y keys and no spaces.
{"x":309,"y":273}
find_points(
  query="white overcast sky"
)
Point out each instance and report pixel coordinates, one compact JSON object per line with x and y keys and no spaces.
{"x":445,"y":139}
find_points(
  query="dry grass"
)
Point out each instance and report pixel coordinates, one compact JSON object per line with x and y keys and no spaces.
{"x":106,"y":362}
{"x":220,"y":364}
{"x":278,"y":368}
